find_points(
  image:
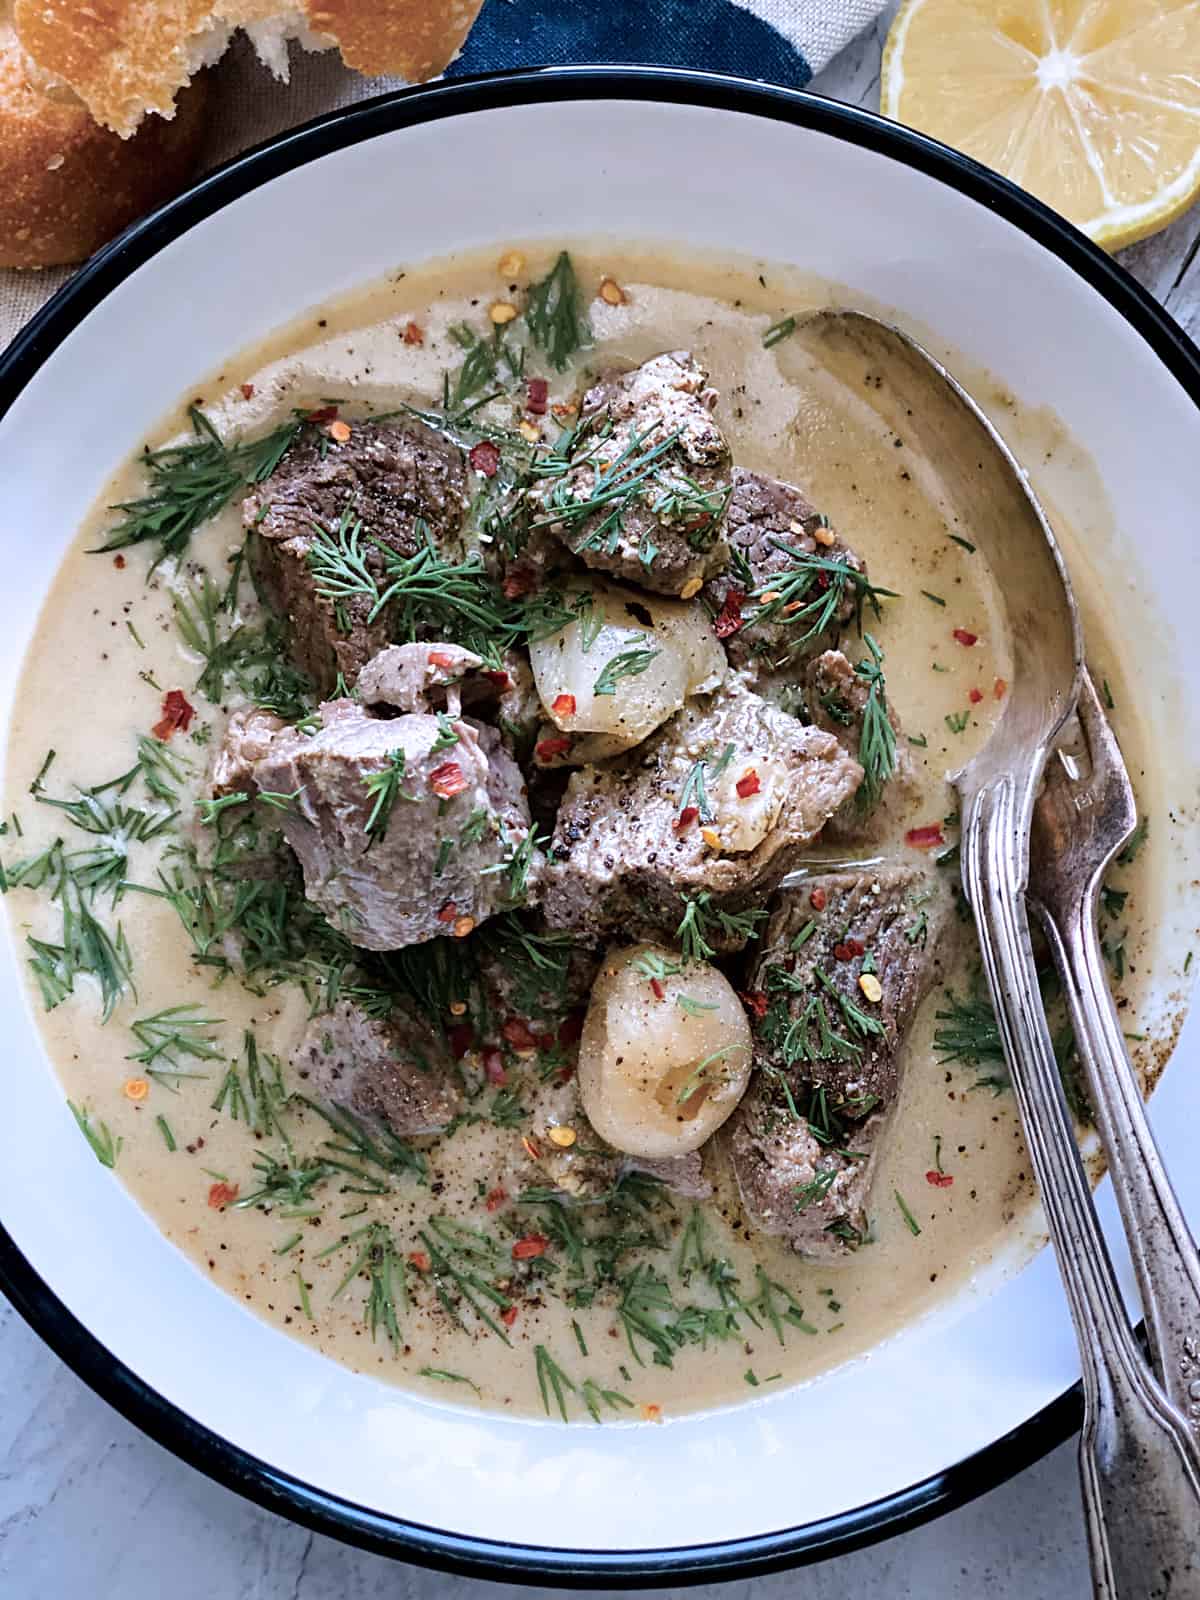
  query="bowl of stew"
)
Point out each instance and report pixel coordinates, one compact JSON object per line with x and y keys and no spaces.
{"x":499,"y":1068}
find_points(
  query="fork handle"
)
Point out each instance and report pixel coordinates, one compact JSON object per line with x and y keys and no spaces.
{"x":1141,"y":1492}
{"x":1160,"y":1242}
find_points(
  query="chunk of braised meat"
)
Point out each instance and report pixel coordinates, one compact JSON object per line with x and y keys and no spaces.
{"x":650,"y":457}
{"x":774,"y":532}
{"x":248,"y":737}
{"x":406,"y":828}
{"x":836,"y":696}
{"x":722,"y":801}
{"x":447,"y":677}
{"x":394,"y":1069}
{"x":400,"y":480}
{"x":829,"y":1057}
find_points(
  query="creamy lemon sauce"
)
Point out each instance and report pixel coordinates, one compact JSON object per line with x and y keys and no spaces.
{"x":106,"y":650}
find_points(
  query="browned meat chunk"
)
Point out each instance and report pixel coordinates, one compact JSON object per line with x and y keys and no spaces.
{"x":647,"y":479}
{"x":248,"y":737}
{"x":398,"y":479}
{"x":722,"y":801}
{"x":394,"y":1069}
{"x":407,"y":828}
{"x":776,"y":537}
{"x":446,"y":677}
{"x":828,"y":1057}
{"x":837,"y":698}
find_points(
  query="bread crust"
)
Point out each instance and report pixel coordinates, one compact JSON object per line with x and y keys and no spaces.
{"x":126,"y":57}
{"x":67,"y":186}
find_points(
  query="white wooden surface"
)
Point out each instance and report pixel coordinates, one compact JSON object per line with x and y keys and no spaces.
{"x":90,"y":1507}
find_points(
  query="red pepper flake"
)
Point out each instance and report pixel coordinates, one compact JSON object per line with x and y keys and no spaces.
{"x":939,"y":1180}
{"x":755,"y":1002}
{"x":686,"y":817}
{"x":564,"y":705}
{"x":322,"y":414}
{"x":460,"y":1038}
{"x":222,"y":1195}
{"x":413,"y":333}
{"x":548,"y":749}
{"x":656,"y":988}
{"x":841,"y":952}
{"x":856,"y":947}
{"x":537,"y":394}
{"x":974,"y":696}
{"x":119,"y":562}
{"x":499,"y":677}
{"x":509,"y":1317}
{"x":532,"y":1149}
{"x":493,"y":1067}
{"x":818,"y":899}
{"x":530,"y":1247}
{"x":496,"y":1198}
{"x":925,"y":838}
{"x":519,"y":1034}
{"x":964,"y":637}
{"x":748,"y":784}
{"x":517,"y":584}
{"x":247,"y":391}
{"x":485,"y":458}
{"x":823,"y":582}
{"x":729,"y":618}
{"x":441,"y":658}
{"x":1000,"y":688}
{"x":571,"y":1028}
{"x":448,"y":912}
{"x":176,"y":713}
{"x":447,"y":780}
{"x":420,"y":1260}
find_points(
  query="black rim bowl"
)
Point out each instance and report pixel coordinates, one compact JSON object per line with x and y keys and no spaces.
{"x":34,"y":1299}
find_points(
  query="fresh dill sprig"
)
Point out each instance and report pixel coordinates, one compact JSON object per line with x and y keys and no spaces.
{"x":628,"y":664}
{"x":811,"y":592}
{"x":552,"y":1380}
{"x":877,"y":743}
{"x":380,"y":1261}
{"x":554,"y":316}
{"x":252,"y":658}
{"x":817,"y":1189}
{"x":105,"y":1148}
{"x":190,"y":483}
{"x":383,"y":790}
{"x":442,"y":1376}
{"x":169,"y":1037}
{"x":701,"y":917}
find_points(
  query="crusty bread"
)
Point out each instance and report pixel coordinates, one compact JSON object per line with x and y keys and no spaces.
{"x":68,"y":185}
{"x":124,"y":58}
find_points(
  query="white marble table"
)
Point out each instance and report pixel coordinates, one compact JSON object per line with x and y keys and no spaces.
{"x":89,"y":1507}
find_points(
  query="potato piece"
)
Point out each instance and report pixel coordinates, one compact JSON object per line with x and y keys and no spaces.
{"x":669,"y":644}
{"x":666,"y":1052}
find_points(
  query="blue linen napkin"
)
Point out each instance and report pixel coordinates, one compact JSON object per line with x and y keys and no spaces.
{"x":781,"y":41}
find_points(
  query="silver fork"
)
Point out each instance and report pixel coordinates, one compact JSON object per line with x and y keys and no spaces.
{"x":1084,"y":817}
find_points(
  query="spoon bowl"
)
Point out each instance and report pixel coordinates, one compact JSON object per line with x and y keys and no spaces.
{"x":1139,"y":1470}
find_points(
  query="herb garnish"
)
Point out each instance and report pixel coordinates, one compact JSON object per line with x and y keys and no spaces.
{"x":105,"y":1148}
{"x":877,"y":744}
{"x":553,"y":314}
{"x":190,"y":483}
{"x":628,"y":664}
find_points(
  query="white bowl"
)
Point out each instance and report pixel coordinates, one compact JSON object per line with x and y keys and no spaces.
{"x":956,"y":1403}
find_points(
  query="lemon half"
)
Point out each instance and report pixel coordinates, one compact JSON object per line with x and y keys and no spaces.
{"x":1092,"y":105}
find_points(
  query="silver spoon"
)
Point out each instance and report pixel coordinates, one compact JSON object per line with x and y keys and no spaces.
{"x":1084,"y":815}
{"x":1141,"y":1484}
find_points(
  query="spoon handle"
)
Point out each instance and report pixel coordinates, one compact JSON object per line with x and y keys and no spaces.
{"x":1160,"y":1243}
{"x":1141,"y":1491}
